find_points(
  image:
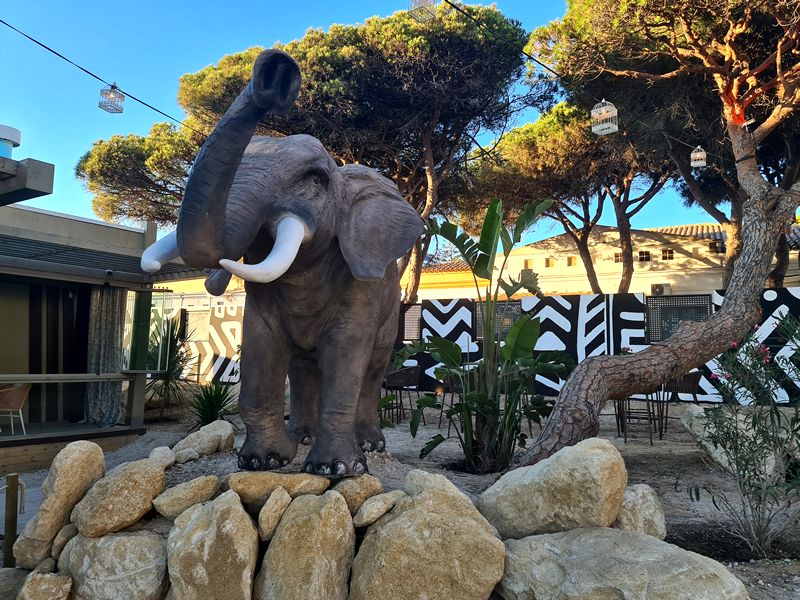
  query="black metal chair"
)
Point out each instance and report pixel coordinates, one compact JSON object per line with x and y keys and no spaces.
{"x":397,"y":382}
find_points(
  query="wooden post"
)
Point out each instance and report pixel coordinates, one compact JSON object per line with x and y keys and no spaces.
{"x":140,"y":331}
{"x":10,"y":536}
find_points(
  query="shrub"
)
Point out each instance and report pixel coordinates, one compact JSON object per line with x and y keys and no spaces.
{"x":168,"y":355}
{"x":212,"y":402}
{"x":760,"y":445}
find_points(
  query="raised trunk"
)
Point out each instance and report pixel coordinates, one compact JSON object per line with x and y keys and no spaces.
{"x":201,"y":222}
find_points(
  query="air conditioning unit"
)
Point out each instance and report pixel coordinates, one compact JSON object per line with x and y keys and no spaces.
{"x":660,"y":289}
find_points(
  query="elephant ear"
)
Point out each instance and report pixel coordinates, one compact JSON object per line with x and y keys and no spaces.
{"x":380,"y":225}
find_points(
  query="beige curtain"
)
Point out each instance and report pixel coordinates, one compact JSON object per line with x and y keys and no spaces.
{"x":106,"y":323}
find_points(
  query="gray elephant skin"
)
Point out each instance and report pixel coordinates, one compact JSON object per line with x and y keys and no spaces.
{"x":320,"y":244}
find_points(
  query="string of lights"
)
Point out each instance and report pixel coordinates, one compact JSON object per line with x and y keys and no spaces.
{"x":112,"y":87}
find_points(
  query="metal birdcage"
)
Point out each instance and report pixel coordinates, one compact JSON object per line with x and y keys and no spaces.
{"x":697,"y":158}
{"x":604,"y":118}
{"x":423,"y":11}
{"x":111,"y":99}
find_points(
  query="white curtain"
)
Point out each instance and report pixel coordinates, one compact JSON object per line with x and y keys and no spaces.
{"x":106,"y":323}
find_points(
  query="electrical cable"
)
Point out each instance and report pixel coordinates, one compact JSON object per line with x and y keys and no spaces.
{"x":560,"y":76}
{"x":88,"y":72}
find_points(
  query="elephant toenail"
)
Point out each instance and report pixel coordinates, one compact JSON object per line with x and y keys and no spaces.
{"x":309,"y":468}
{"x":366,"y":446}
{"x":285,"y":462}
{"x":272,"y":463}
{"x":306,"y":441}
{"x":242,"y":462}
{"x":339,"y":468}
{"x":324,"y":470}
{"x":380,"y":445}
{"x":359,"y":468}
{"x":255,"y":464}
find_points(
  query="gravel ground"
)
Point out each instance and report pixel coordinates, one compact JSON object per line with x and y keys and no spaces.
{"x":670,"y":466}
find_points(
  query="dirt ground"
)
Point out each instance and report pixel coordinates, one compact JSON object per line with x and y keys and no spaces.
{"x":670,"y":466}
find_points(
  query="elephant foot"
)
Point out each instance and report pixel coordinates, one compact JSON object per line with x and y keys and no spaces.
{"x":370,"y":438}
{"x":267,"y":456}
{"x":335,"y":460}
{"x":302,"y":434}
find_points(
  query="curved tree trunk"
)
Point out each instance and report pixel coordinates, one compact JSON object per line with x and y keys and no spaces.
{"x":588,"y":264}
{"x":598,"y":379}
{"x":626,"y":247}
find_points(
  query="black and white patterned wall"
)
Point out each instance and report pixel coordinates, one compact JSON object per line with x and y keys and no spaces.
{"x":217,"y":357}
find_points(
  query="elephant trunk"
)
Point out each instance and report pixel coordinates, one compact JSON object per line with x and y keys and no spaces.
{"x":201,"y":237}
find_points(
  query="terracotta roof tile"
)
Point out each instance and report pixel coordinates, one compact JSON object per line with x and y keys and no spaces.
{"x":451,"y":266}
{"x":714,"y":231}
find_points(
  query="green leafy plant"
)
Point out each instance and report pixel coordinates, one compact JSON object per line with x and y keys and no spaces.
{"x":760,"y":446}
{"x":211,"y":402}
{"x":168,"y":356}
{"x":496,"y":392}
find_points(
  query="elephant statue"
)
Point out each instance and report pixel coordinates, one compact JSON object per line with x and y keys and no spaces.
{"x":320,"y":244}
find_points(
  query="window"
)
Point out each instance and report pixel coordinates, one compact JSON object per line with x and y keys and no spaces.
{"x":572,"y":261}
{"x":549,"y":262}
{"x":644,"y":255}
{"x":527,"y":264}
{"x":667,"y":254}
{"x":617,"y":257}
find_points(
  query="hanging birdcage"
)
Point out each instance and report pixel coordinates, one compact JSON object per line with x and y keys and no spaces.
{"x":111,"y":99}
{"x":423,"y":11}
{"x":697,"y":158}
{"x":604,"y":118}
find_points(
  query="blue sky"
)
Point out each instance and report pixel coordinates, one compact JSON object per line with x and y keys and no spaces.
{"x":145,"y":47}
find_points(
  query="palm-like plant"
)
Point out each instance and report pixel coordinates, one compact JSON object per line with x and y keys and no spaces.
{"x":212,"y":402}
{"x":168,"y":355}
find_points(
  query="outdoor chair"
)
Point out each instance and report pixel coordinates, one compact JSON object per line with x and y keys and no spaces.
{"x":397,"y":382}
{"x":686,"y":384}
{"x":12,"y":401}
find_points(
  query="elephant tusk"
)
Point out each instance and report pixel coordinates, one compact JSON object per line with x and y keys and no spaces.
{"x":290,"y":233}
{"x":157,"y":254}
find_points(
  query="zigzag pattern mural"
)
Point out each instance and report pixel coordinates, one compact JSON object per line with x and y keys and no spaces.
{"x":217,"y":359}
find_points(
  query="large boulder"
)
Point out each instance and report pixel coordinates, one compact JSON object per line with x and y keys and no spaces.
{"x":175,"y":500}
{"x":641,"y":511}
{"x":163,"y":455}
{"x":119,"y":499}
{"x":65,"y":534}
{"x":594,"y":563}
{"x":433,"y":544}
{"x":254,"y":487}
{"x":271,"y":513}
{"x":74,"y":470}
{"x":357,"y":489}
{"x":45,"y":586}
{"x":578,"y":486}
{"x":213,"y":550}
{"x":214,"y":437}
{"x":118,"y":565}
{"x":315,"y":536}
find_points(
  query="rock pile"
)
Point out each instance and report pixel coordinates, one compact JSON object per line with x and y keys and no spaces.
{"x":571,"y":528}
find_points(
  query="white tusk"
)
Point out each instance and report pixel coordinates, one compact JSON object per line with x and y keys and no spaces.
{"x":290,"y":233}
{"x":157,"y":254}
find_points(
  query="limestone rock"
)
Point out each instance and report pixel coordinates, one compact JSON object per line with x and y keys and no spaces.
{"x":357,"y":489}
{"x":377,"y":506}
{"x":641,"y":511}
{"x":211,"y":438}
{"x":119,"y":499}
{"x":434,"y":544}
{"x":315,"y":536}
{"x":118,"y":565}
{"x":74,"y":470}
{"x":154,"y":524}
{"x":11,"y":581}
{"x":213,"y":550}
{"x":65,"y":534}
{"x":254,"y":487}
{"x":185,"y":455}
{"x":174,"y":501}
{"x":271,"y":513}
{"x":163,"y":455}
{"x":592,"y":563}
{"x":48,"y":565}
{"x":578,"y":486}
{"x":45,"y":586}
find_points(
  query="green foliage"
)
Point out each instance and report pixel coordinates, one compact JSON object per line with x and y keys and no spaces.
{"x":760,"y":447}
{"x":212,"y":402}
{"x":496,"y":393}
{"x":168,"y":355}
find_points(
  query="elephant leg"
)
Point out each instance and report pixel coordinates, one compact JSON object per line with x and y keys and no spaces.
{"x":369,"y":436}
{"x":265,"y":363}
{"x":303,"y":412}
{"x":344,"y":354}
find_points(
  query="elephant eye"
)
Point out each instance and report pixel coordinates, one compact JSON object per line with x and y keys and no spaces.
{"x":316,"y":180}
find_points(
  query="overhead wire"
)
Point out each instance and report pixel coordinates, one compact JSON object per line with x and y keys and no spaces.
{"x":545,"y":66}
{"x":91,"y":74}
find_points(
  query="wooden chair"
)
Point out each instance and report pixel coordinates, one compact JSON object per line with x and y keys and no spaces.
{"x":12,"y":401}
